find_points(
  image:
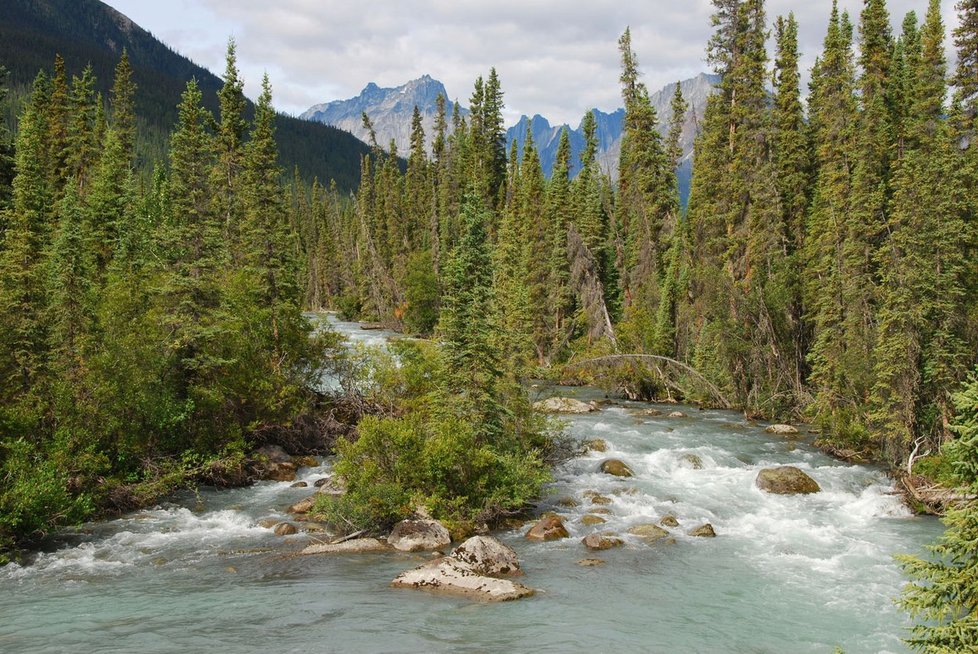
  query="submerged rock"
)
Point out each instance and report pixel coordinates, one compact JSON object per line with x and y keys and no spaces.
{"x":786,"y":480}
{"x":598,"y":542}
{"x":782,"y":430}
{"x":589,"y":520}
{"x":449,"y":575}
{"x":677,"y":414}
{"x":487,"y":556}
{"x":694,"y":461}
{"x":669,"y":521}
{"x":600,"y":499}
{"x":649,"y":533}
{"x":703,"y":531}
{"x":285,"y":529}
{"x":616,"y":467}
{"x":355,"y":546}
{"x":597,"y":445}
{"x":563,"y":405}
{"x":419,"y":536}
{"x":299,"y":484}
{"x":568,"y":502}
{"x":646,"y":413}
{"x":590,"y":563}
{"x":549,"y":527}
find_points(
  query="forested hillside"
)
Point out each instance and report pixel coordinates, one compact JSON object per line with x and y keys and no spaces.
{"x":88,"y":32}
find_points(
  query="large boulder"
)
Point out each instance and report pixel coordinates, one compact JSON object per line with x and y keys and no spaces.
{"x":355,"y":546}
{"x":488,"y":556}
{"x":564,"y":405}
{"x":419,"y":536}
{"x":549,"y":527}
{"x":649,"y":533}
{"x":786,"y":480}
{"x":781,"y":430}
{"x":616,"y":467}
{"x":598,"y":542}
{"x":449,"y":575}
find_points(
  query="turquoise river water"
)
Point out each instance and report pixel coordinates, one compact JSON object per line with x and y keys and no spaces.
{"x":784,"y":574}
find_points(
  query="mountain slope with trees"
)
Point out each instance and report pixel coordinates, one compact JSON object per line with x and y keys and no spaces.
{"x":89,"y":32}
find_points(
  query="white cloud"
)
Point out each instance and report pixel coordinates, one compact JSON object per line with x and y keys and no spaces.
{"x":555,"y":58}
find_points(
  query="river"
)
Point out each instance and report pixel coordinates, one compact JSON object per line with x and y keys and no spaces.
{"x":784,"y":574}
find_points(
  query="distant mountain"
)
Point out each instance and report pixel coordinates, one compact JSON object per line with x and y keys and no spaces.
{"x":89,"y":31}
{"x":390,"y":111}
{"x":696,"y":91}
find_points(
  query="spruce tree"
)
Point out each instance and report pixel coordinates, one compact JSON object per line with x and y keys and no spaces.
{"x":466,"y":324}
{"x":123,"y":106}
{"x":942,"y":596}
{"x":229,"y":150}
{"x":23,"y":325}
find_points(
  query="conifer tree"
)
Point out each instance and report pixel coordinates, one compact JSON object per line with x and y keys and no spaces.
{"x":558,"y":218}
{"x":82,"y":142}
{"x":70,"y":289}
{"x":23,"y":328}
{"x":271,"y":251}
{"x":838,"y":402}
{"x":229,"y":150}
{"x":6,"y":153}
{"x":123,"y":106}
{"x":466,"y":323}
{"x":792,"y":156}
{"x":941,"y":595}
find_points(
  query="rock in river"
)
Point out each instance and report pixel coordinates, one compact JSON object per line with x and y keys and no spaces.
{"x":488,"y":556}
{"x":601,"y":541}
{"x":549,"y":527}
{"x":616,"y":467}
{"x":303,"y":506}
{"x":703,"y":531}
{"x":563,"y":405}
{"x":419,"y":535}
{"x":649,"y":533}
{"x":786,"y":480}
{"x":284,"y":529}
{"x":597,"y":445}
{"x":782,"y":430}
{"x":449,"y":575}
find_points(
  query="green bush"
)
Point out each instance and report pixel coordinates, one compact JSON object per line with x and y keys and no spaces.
{"x":429,"y":453}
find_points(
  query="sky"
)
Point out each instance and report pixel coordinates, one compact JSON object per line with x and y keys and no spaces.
{"x":557,"y":58}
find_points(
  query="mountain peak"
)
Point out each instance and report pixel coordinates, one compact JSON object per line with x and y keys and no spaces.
{"x":389,"y":109}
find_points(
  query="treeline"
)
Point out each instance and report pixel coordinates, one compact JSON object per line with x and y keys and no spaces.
{"x":145,"y":329}
{"x":824,"y":269}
